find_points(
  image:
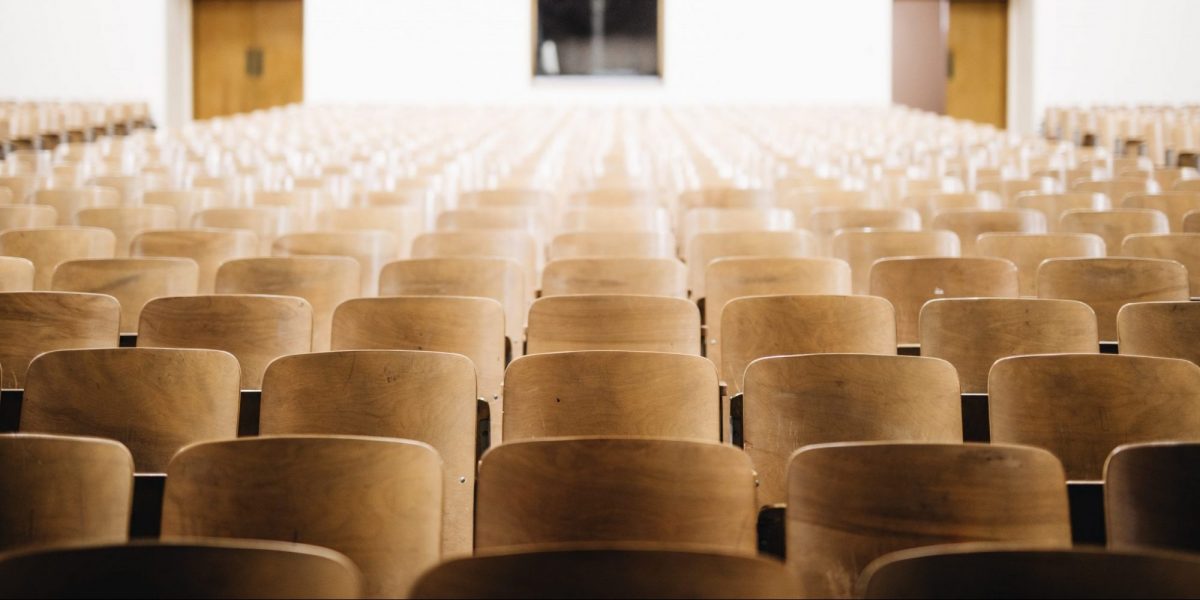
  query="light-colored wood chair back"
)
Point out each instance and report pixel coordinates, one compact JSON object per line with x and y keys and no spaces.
{"x":1166,"y":329}
{"x":209,"y":248}
{"x":371,"y":249}
{"x":266,"y":222}
{"x":132,"y":281}
{"x":861,"y":248}
{"x":908,"y":283}
{"x":35,"y":322}
{"x":127,"y":221}
{"x":25,"y":216}
{"x":16,"y":274}
{"x":612,"y":244}
{"x":1150,"y":492}
{"x":969,"y":223}
{"x":707,"y":247}
{"x":1107,"y":284}
{"x":1052,"y":206}
{"x":613,"y":322}
{"x":1027,"y":251}
{"x":1183,"y":248}
{"x":1172,"y":204}
{"x":1114,"y":225}
{"x":643,"y":276}
{"x":48,"y":247}
{"x":519,"y":246}
{"x":67,"y":202}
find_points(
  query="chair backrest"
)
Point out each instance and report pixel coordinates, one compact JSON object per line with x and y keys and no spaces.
{"x":16,"y":274}
{"x":59,"y":489}
{"x":506,"y":197}
{"x":21,"y":187}
{"x":1183,"y":248}
{"x":725,"y":197}
{"x":25,"y":216}
{"x":1114,"y":225}
{"x":324,"y":281}
{"x":370,"y":248}
{"x":185,"y":202}
{"x":47,"y":247}
{"x":520,"y":246}
{"x":908,"y":283}
{"x":265,"y":222}
{"x":1011,"y":189}
{"x":612,"y":244}
{"x":384,"y":513}
{"x":645,"y":276}
{"x":1052,"y":206}
{"x":209,"y":248}
{"x":155,"y":401}
{"x":824,"y":222}
{"x":256,"y":329}
{"x":613,"y":322}
{"x":707,"y":247}
{"x":1016,"y":571}
{"x":1172,"y":204}
{"x":132,"y":281}
{"x":759,"y":326}
{"x":1116,"y":189}
{"x":519,"y":218}
{"x":35,"y":322}
{"x":973,"y":333}
{"x":714,"y":220}
{"x":405,"y":222}
{"x":203,"y":568}
{"x":1081,"y":406}
{"x":793,"y":401}
{"x":611,"y":393}
{"x":1191,"y":222}
{"x":849,"y":504}
{"x":616,"y":197}
{"x":861,"y":248}
{"x":640,"y":218}
{"x":1150,"y":494}
{"x":500,"y":279}
{"x":699,"y":494}
{"x":1027,"y":251}
{"x":607,"y":571}
{"x":127,"y":221}
{"x":930,"y":205}
{"x":69,"y":201}
{"x":1107,"y":284}
{"x":1166,"y":329}
{"x":969,"y":223}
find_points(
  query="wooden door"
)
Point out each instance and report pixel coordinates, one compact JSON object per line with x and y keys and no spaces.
{"x":247,"y":55}
{"x":977,"y":85}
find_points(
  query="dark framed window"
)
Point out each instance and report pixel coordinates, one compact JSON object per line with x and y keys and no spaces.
{"x":597,"y":38}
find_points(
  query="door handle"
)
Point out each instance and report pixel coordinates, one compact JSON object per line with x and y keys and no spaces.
{"x":254,"y":62}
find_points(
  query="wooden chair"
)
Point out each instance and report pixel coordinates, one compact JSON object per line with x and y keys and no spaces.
{"x":155,"y":401}
{"x":644,"y":276}
{"x":424,"y":396}
{"x":69,"y":201}
{"x":48,"y":247}
{"x":616,"y":197}
{"x":725,"y":197}
{"x":969,"y":223}
{"x":130,"y":187}
{"x":132,"y":281}
{"x":35,"y":322}
{"x":793,"y":401}
{"x":614,"y":490}
{"x":506,"y":197}
{"x":256,"y":329}
{"x":806,"y":203}
{"x":633,"y":218}
{"x":1081,"y":406}
{"x":607,"y":571}
{"x":378,"y":501}
{"x":1027,"y":251}
{"x":493,"y":218}
{"x":851,"y":503}
{"x":1191,"y":222}
{"x":611,"y":393}
{"x":761,"y":326}
{"x":612,"y":244}
{"x":1052,"y":206}
{"x":1107,"y":284}
{"x":1164,"y":329}
{"x":824,"y":222}
{"x":265,"y":222}
{"x":1183,"y":248}
{"x":973,"y":333}
{"x":16,"y":274}
{"x":324,"y":281}
{"x":127,"y":221}
{"x":908,"y":283}
{"x":59,"y":489}
{"x":209,"y":568}
{"x":21,"y":187}
{"x":1172,"y":204}
{"x":707,"y":247}
{"x":371,"y":249}
{"x":613,"y":322}
{"x":301,"y":205}
{"x":1150,"y":494}
{"x":1114,"y":225}
{"x":209,"y":248}
{"x":1183,"y":185}
{"x":25,"y":216}
{"x":1117,"y":189}
{"x":1011,"y":189}
{"x":519,"y":246}
{"x":405,"y":222}
{"x":185,"y":202}
{"x":861,"y":248}
{"x":929,"y":205}
{"x":717,"y":220}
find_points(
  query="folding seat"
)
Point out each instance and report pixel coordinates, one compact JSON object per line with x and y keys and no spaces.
{"x":969,"y":223}
{"x":1166,"y":329}
{"x":699,"y":221}
{"x":63,"y":490}
{"x":376,"y":500}
{"x":531,"y":198}
{"x":67,"y":202}
{"x":256,"y":329}
{"x":707,"y":247}
{"x":608,"y":571}
{"x":186,"y":203}
{"x":1172,"y":204}
{"x":207,"y":568}
{"x":127,"y":221}
{"x":130,"y":187}
{"x":47,"y":247}
{"x":1150,"y":494}
{"x":16,"y":274}
{"x":973,"y":333}
{"x":406,"y":222}
{"x":25,"y":216}
{"x":908,"y":283}
{"x":1183,"y":248}
{"x":645,"y":276}
{"x":997,"y":571}
{"x":1081,"y":406}
{"x":35,"y":322}
{"x":1052,"y":206}
{"x":1027,"y":251}
{"x":155,"y":401}
{"x":929,"y":205}
{"x":651,"y":219}
{"x":792,"y":401}
{"x":616,"y":490}
{"x":1114,"y":225}
{"x":613,"y":322}
{"x":520,"y":246}
{"x":1107,"y":284}
{"x":824,"y":222}
{"x":209,"y":248}
{"x":423,"y":396}
{"x":612,"y":244}
{"x":324,"y":281}
{"x":1116,"y":189}
{"x":266,"y":222}
{"x":132,"y":281}
{"x":850,"y":503}
{"x":862,"y":247}
{"x":371,"y":249}
{"x":761,"y":326}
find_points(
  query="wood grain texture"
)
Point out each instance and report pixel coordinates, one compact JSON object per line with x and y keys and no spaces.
{"x":697,"y":221}
{"x":1172,"y":204}
{"x":612,"y":244}
{"x":1116,"y":189}
{"x":67,"y":202}
{"x":256,"y":329}
{"x":616,"y":490}
{"x":1114,"y":225}
{"x":1107,"y":284}
{"x":35,"y":322}
{"x":209,"y":248}
{"x":849,"y":504}
{"x":968,"y":223}
{"x":266,"y":222}
{"x":16,"y":274}
{"x":824,"y":222}
{"x":1183,"y":248}
{"x":371,"y":249}
{"x":929,"y":205}
{"x":759,"y":326}
{"x":861,"y":248}
{"x":423,"y":396}
{"x":405,"y":222}
{"x":376,"y":500}
{"x":519,"y":246}
{"x":908,"y":283}
{"x":48,"y":247}
{"x":1150,"y":494}
{"x":185,"y":202}
{"x":973,"y":333}
{"x":25,"y":216}
{"x":59,"y":489}
{"x":127,"y":221}
{"x":518,"y":218}
{"x":155,"y":401}
{"x":613,"y":322}
{"x":707,"y":247}
{"x":793,"y":401}
{"x":642,"y":276}
{"x":1166,"y":329}
{"x":1052,"y":206}
{"x":1081,"y":406}
{"x":1027,"y":251}
{"x":132,"y":281}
